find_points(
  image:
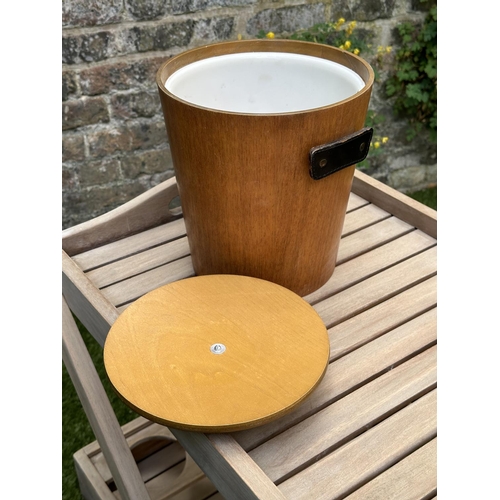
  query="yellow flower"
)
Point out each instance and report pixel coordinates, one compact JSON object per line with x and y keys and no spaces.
{"x":347,"y":44}
{"x":270,"y":35}
{"x":388,"y":49}
{"x":380,"y":49}
{"x":239,"y":36}
{"x":352,"y":24}
{"x":341,"y":21}
{"x":376,"y":145}
{"x":356,"y":51}
{"x":384,"y":139}
{"x":342,"y":47}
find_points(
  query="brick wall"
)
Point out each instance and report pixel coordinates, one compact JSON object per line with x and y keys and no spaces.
{"x":114,"y":142}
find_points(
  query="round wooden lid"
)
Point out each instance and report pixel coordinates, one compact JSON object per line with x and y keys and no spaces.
{"x":216,"y":353}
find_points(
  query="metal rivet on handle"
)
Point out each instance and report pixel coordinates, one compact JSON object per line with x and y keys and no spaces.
{"x":362,"y":146}
{"x":218,"y":348}
{"x":323,"y":162}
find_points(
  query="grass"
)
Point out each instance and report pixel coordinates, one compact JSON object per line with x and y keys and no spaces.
{"x":76,"y":431}
{"x":426,"y":196}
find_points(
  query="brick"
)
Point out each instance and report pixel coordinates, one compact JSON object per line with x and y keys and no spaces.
{"x":363,"y":10}
{"x":90,"y":47}
{"x":145,"y":10}
{"x":97,"y":46}
{"x":98,"y":172}
{"x":135,"y":104}
{"x":69,"y":85}
{"x":69,"y":178}
{"x":109,"y":141}
{"x":211,"y":30}
{"x":106,"y":77}
{"x":80,"y":205}
{"x":147,"y":135}
{"x":286,"y":18}
{"x":84,"y":111}
{"x":70,"y":49}
{"x":188,"y":6}
{"x":73,"y":147}
{"x":81,"y":13}
{"x":162,"y":37}
{"x":147,"y":162}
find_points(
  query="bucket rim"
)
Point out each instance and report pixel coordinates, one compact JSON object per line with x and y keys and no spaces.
{"x":353,"y":62}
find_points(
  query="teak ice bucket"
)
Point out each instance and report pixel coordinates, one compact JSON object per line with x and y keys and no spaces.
{"x":264,"y":136}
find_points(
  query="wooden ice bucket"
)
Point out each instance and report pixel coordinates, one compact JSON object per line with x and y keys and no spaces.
{"x":265,"y":135}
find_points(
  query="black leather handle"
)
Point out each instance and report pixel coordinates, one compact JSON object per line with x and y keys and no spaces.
{"x":329,"y":158}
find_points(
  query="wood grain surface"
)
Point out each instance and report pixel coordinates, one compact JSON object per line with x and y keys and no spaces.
{"x":268,"y":219}
{"x":158,"y":353}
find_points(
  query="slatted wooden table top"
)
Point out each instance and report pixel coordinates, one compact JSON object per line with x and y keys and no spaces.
{"x":369,"y":429}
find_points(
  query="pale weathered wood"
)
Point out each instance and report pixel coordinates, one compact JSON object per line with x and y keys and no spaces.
{"x":99,"y":411}
{"x":277,"y":351}
{"x":318,"y":435}
{"x":130,"y":245}
{"x":380,"y":306}
{"x":183,"y":481}
{"x":129,"y":290}
{"x":414,"y":478}
{"x":143,"y":212}
{"x":398,"y":204}
{"x":185,"y":477}
{"x":90,"y":481}
{"x":371,"y":237}
{"x":370,"y":324}
{"x":151,"y":433}
{"x":373,"y":262}
{"x":364,"y":217}
{"x":86,"y":301}
{"x":351,"y":371}
{"x":228,"y":466}
{"x":355,"y":202}
{"x":368,"y":455}
{"x":377,"y":288}
{"x":136,"y":264}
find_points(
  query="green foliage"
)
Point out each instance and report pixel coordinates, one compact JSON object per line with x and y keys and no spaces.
{"x":426,"y":196}
{"x":414,"y":82}
{"x":339,"y":34}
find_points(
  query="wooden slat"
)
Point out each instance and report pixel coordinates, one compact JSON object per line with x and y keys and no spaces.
{"x":368,"y":455}
{"x":378,"y":288}
{"x":147,"y":210}
{"x":370,"y":324}
{"x":388,"y":282}
{"x":130,"y":245}
{"x":186,"y":475}
{"x":89,"y":480}
{"x":371,"y":237}
{"x":372,"y":262}
{"x":228,"y":466}
{"x":396,"y":203}
{"x":139,"y":263}
{"x":355,"y":202}
{"x":316,"y":436}
{"x":86,"y":301}
{"x":363,"y":217}
{"x":351,"y":371}
{"x":143,"y":435}
{"x":135,"y":287}
{"x":414,"y":478}
{"x":99,"y":411}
